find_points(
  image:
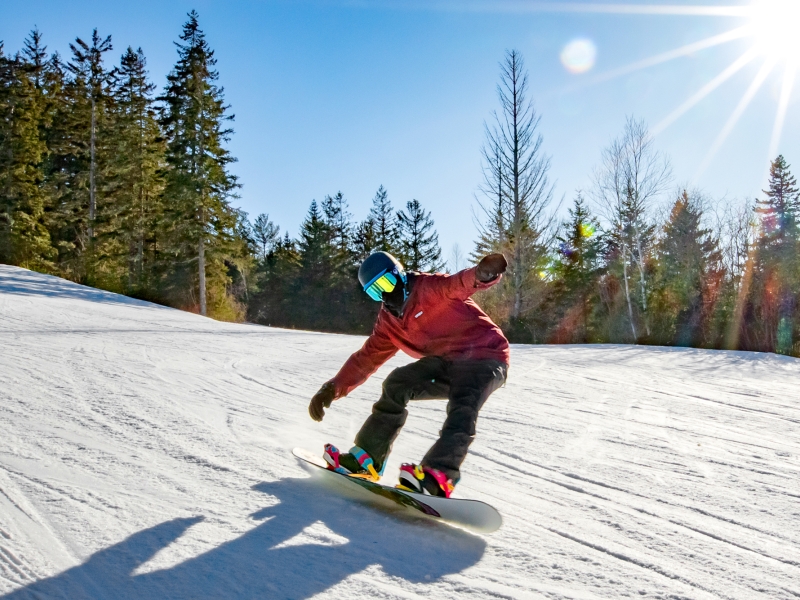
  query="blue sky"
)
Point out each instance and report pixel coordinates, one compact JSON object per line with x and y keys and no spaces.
{"x":344,"y":95}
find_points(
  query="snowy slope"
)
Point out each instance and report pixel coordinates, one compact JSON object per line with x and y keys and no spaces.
{"x":145,"y":453}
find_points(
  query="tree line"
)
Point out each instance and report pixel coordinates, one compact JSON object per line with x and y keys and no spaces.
{"x":638,"y":260}
{"x":104,"y":183}
{"x":107,"y":180}
{"x":110,"y":182}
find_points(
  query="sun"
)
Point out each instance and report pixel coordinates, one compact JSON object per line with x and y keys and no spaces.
{"x":776,"y":28}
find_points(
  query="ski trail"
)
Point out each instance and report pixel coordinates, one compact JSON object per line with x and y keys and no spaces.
{"x":145,"y":452}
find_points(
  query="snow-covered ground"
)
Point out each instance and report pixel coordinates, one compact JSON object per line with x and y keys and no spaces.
{"x":146,"y":453}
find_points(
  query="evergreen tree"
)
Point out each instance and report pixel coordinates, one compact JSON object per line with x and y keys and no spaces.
{"x":77,"y":134}
{"x":64,"y":169}
{"x":24,"y":238}
{"x":364,"y":239}
{"x":343,"y":264}
{"x":770,"y":321}
{"x":337,"y":217}
{"x":275,"y":302}
{"x":315,"y":246}
{"x":92,"y":84}
{"x":418,"y":240}
{"x":778,"y":211}
{"x":132,"y":228}
{"x":383,"y":222}
{"x":316,"y":275}
{"x":576,"y":271}
{"x":688,"y":275}
{"x":266,"y":235}
{"x":199,"y":185}
{"x":35,"y":56}
{"x":48,"y":76}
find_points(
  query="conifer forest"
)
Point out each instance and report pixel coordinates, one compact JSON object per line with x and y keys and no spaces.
{"x":112,"y":180}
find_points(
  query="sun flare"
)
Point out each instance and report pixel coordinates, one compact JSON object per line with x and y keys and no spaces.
{"x":776,"y":26}
{"x":771,"y":33}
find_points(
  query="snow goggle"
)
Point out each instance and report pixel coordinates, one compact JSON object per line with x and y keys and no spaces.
{"x":384,"y":282}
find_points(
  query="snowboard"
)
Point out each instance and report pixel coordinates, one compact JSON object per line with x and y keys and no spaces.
{"x":471,"y":514}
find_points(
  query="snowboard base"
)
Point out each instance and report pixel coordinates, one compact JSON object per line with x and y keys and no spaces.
{"x":471,"y":514}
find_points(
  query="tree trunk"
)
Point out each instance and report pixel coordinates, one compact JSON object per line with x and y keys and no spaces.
{"x":517,"y":310}
{"x":201,"y":267}
{"x":92,"y":170}
{"x":628,"y":291}
{"x":642,"y":283}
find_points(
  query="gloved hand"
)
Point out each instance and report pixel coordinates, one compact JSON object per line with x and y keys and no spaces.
{"x":491,"y":267}
{"x":322,"y":400}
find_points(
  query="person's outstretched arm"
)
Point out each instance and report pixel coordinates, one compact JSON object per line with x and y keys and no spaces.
{"x":376,"y":350}
{"x":484,"y":275}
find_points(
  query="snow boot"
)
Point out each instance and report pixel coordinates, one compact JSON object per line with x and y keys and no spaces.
{"x":356,"y":463}
{"x":425,"y":480}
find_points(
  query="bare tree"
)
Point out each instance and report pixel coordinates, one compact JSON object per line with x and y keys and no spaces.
{"x":516,"y":189}
{"x":627,"y":184}
{"x":456,"y":259}
{"x":736,"y":228}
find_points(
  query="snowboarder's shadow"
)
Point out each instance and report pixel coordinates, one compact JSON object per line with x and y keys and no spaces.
{"x":272,"y":560}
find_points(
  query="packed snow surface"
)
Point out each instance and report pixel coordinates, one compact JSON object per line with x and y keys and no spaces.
{"x":146,"y":453}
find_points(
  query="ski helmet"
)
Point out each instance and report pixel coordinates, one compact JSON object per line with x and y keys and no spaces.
{"x":379,"y":270}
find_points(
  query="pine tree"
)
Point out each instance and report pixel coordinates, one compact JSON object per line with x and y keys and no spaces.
{"x":779,"y":210}
{"x":316,"y":276}
{"x":343,"y":262}
{"x":63,"y":168}
{"x":266,"y":235}
{"x":199,"y":185}
{"x":315,"y":246}
{"x":93,"y":82}
{"x":418,"y":240}
{"x":384,"y":223}
{"x":771,"y":323}
{"x":364,"y":239}
{"x":132,"y":229}
{"x":576,"y":271}
{"x":687,"y":278}
{"x":35,"y":55}
{"x":275,"y":302}
{"x":24,"y":239}
{"x":337,"y":217}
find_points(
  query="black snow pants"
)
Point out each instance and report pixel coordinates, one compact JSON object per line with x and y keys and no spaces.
{"x":466,"y":384}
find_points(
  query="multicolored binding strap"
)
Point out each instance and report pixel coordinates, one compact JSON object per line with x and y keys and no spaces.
{"x":365,"y":460}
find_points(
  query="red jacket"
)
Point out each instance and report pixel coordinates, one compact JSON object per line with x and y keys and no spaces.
{"x":439,"y":319}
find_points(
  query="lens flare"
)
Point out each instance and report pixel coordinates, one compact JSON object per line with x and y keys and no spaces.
{"x":579,"y":56}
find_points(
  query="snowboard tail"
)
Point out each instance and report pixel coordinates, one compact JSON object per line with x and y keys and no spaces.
{"x":470,"y":514}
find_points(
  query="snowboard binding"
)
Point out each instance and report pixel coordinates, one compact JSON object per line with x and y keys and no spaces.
{"x":356,"y":463}
{"x":425,"y":480}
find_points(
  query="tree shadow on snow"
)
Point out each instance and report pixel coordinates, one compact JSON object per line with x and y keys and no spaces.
{"x":260,"y":564}
{"x":28,"y":283}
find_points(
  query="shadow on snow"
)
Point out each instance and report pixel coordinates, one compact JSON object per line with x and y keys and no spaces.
{"x":251,"y":566}
{"x":20,"y":282}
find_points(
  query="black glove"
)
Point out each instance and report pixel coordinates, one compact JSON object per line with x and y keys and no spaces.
{"x":491,"y":267}
{"x":322,"y":400}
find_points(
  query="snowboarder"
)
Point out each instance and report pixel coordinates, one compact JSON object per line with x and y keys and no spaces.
{"x":463,"y":357}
